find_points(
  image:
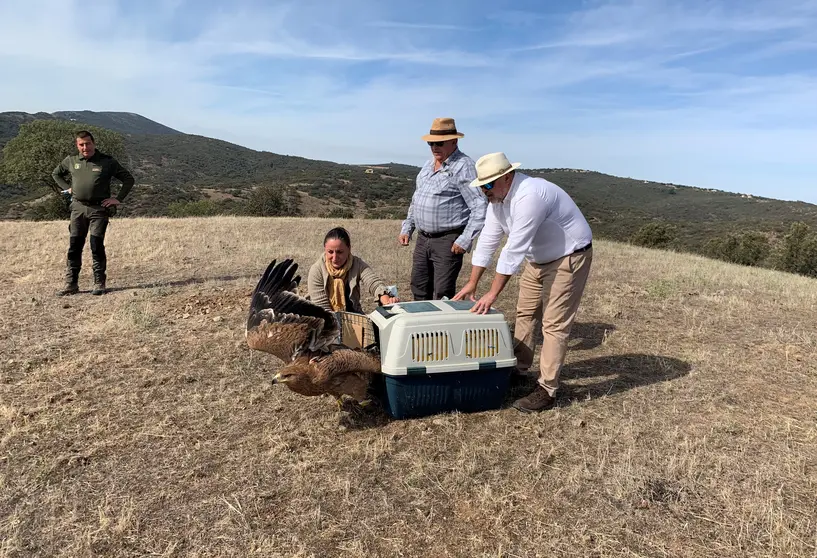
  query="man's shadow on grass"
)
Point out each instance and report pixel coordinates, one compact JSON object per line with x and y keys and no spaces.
{"x":580,"y":381}
{"x":608,"y":375}
{"x":181,"y":282}
{"x":605,"y":375}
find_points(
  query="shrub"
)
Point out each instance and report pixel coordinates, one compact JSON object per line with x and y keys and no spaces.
{"x":798,"y":253}
{"x":341,"y":213}
{"x":654,"y":235}
{"x":53,"y":208}
{"x":750,"y":248}
{"x":200,"y":208}
{"x":271,"y":200}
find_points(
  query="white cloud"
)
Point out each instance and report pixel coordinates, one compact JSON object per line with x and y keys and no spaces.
{"x":656,"y":90}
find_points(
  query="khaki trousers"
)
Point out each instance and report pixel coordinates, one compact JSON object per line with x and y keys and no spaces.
{"x":551,"y":293}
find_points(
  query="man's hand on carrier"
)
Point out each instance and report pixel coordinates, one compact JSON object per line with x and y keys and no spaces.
{"x":385,"y":300}
{"x":469,"y":289}
{"x":110,"y":201}
{"x":484,"y":304}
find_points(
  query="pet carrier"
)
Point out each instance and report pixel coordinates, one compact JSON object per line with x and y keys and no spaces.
{"x":437,"y":356}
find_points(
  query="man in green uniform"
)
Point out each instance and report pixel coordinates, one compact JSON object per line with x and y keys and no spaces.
{"x":92,"y":206}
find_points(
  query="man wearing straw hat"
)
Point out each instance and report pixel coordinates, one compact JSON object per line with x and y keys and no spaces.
{"x":446,"y":212}
{"x":548,"y":234}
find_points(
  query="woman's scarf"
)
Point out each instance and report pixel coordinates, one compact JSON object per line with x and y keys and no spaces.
{"x":337,"y":284}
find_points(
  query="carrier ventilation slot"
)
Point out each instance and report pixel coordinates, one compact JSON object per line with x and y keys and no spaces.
{"x":429,"y":346}
{"x":481,"y":343}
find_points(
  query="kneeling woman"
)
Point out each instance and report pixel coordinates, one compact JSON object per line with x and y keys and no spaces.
{"x":338,"y":278}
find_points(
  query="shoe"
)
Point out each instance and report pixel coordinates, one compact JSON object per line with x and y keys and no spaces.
{"x":538,"y":400}
{"x":99,"y":289}
{"x":68,"y":289}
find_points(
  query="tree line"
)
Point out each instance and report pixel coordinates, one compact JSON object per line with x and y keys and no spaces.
{"x":794,"y":252}
{"x":267,"y":187}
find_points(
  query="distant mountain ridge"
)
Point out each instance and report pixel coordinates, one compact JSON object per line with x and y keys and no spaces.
{"x":122,"y":122}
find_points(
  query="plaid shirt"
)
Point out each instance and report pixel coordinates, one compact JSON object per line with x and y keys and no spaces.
{"x":443,"y":200}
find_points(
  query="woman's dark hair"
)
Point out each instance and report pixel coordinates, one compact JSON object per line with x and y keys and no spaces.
{"x":338,"y":233}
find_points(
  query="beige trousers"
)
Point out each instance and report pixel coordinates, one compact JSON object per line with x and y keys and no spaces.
{"x":551,"y":293}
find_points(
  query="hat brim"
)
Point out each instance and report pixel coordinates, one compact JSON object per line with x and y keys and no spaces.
{"x":435,"y":137}
{"x":483,"y":181}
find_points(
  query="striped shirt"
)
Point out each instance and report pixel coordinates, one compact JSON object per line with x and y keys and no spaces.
{"x":444,"y":201}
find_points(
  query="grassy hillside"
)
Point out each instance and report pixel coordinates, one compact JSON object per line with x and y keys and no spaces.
{"x":618,"y":206}
{"x":175,"y":169}
{"x":140,"y":423}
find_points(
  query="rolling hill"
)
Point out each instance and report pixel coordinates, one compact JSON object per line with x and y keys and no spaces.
{"x":122,"y":122}
{"x":173,"y":167}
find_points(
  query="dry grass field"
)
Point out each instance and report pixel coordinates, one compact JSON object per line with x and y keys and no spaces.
{"x":139,"y":423}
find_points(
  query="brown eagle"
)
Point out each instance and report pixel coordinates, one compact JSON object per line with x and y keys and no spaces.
{"x":305,"y":337}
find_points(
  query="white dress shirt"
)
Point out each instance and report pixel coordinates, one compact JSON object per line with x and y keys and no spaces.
{"x":542,"y":222}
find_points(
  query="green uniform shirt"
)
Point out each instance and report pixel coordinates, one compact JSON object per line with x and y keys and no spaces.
{"x":91,"y":177}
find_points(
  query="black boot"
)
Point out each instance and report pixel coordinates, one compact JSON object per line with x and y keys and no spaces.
{"x":73,"y":265}
{"x":100,"y":263}
{"x":99,"y":284}
{"x":71,"y":287}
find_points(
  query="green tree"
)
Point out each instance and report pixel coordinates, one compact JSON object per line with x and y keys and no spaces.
{"x":798,"y":253}
{"x":53,"y":208}
{"x":30,"y":157}
{"x":272,"y":200}
{"x":750,"y":248}
{"x":654,"y":235}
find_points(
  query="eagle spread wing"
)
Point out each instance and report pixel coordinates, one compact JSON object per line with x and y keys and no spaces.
{"x":283,"y":323}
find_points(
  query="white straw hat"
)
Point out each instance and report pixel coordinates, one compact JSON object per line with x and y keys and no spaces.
{"x":492,"y":166}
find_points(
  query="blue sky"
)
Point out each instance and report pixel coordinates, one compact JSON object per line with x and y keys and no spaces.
{"x":716,"y":94}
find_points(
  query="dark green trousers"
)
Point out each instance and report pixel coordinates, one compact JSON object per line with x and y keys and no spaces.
{"x":87,"y":218}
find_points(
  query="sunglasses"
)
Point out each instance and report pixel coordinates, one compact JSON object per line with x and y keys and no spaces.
{"x":488,"y":186}
{"x":436,"y":143}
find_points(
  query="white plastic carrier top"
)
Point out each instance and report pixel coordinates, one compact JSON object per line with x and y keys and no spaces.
{"x":434,"y":336}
